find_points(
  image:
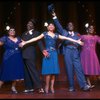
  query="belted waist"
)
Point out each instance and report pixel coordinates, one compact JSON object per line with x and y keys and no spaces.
{"x":51,"y":48}
{"x":13,"y":49}
{"x":70,"y":45}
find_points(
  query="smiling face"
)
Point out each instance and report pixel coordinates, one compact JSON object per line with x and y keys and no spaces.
{"x":91,"y":29}
{"x":51,"y":27}
{"x":70,"y":26}
{"x":11,"y":32}
{"x":30,"y":25}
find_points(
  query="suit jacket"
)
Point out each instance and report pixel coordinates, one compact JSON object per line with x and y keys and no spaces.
{"x":64,"y":32}
{"x":29,"y":50}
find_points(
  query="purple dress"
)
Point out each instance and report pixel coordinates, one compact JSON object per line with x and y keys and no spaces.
{"x":90,"y":62}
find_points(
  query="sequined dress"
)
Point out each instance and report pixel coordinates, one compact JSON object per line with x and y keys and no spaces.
{"x":89,"y":59}
{"x":50,"y":64}
{"x":12,"y":66}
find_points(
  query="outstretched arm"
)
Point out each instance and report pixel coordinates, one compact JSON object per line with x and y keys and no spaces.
{"x":31,"y":40}
{"x":70,"y":39}
{"x":2,"y":40}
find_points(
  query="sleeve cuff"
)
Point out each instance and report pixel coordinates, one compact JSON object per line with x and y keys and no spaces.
{"x":55,"y":17}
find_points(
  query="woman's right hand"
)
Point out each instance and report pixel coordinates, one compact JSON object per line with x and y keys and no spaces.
{"x":45,"y":53}
{"x":80,"y":42}
{"x":22,"y":44}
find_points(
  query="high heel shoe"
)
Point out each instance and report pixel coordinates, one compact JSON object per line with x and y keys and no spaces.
{"x":92,"y":86}
{"x":46,"y":90}
{"x":41,"y":90}
{"x":52,"y":90}
{"x":13,"y":89}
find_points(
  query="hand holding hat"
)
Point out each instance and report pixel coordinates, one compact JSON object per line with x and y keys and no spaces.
{"x":51,"y":8}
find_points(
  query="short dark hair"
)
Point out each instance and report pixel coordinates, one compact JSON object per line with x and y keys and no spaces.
{"x":33,"y":21}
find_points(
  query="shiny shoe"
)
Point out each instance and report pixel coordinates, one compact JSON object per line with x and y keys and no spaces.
{"x":86,"y":88}
{"x":71,"y":89}
{"x":31,"y":90}
{"x":13,"y":89}
{"x":27,"y":91}
{"x":52,"y":90}
{"x":92,"y":86}
{"x":46,"y":90}
{"x":41,"y":90}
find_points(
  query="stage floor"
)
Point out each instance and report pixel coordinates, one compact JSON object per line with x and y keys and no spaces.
{"x":61,"y":92}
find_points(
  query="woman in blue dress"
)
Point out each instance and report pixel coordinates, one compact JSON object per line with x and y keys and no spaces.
{"x":50,"y":65}
{"x":12,"y":67}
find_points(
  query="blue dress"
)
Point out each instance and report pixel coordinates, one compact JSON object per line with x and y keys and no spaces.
{"x":12,"y":67}
{"x":50,"y":64}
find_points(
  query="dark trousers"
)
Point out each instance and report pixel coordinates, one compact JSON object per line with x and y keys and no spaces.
{"x":32,"y":78}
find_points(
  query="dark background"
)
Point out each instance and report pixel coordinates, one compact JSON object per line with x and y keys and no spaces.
{"x":19,"y":12}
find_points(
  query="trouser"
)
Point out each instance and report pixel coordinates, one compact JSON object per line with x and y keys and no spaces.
{"x":32,"y":78}
{"x":73,"y":64}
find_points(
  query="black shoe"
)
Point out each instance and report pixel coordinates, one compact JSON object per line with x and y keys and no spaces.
{"x":71,"y":89}
{"x":86,"y":88}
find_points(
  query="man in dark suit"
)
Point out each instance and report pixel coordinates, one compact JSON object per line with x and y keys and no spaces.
{"x":32,"y":78}
{"x":71,"y":55}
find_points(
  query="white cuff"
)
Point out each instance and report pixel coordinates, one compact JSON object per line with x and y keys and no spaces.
{"x":55,"y":17}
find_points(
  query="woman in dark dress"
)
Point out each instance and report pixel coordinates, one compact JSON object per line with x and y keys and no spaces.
{"x":12,"y":67}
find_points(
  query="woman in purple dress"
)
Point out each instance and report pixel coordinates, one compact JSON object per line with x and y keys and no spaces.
{"x":89,"y":58}
{"x":12,"y":67}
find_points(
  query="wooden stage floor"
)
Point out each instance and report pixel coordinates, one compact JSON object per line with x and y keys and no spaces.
{"x":61,"y":92}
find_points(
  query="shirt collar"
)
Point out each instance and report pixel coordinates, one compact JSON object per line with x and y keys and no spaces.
{"x":71,"y":33}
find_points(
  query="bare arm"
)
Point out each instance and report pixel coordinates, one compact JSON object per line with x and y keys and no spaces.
{"x":31,"y":40}
{"x":35,"y":39}
{"x":70,"y":39}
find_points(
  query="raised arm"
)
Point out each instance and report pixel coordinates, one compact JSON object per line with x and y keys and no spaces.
{"x":57,"y":23}
{"x":70,"y":39}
